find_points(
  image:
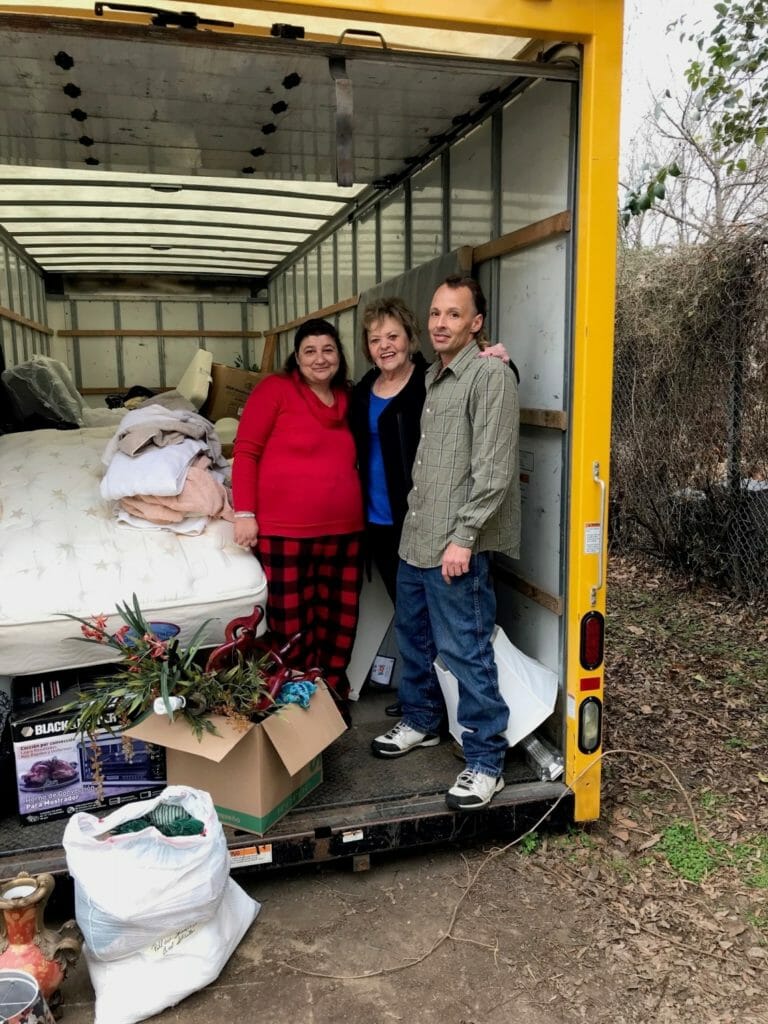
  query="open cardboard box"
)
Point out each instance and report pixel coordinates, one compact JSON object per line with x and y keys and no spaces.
{"x":229,"y":391}
{"x":257,"y":775}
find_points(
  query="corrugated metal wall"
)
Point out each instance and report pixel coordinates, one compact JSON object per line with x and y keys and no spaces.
{"x":114,"y":341}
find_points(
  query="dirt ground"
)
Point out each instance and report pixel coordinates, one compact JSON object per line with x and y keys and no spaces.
{"x":658,"y":913}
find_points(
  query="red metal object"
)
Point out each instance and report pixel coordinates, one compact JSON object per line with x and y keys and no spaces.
{"x":241,"y":639}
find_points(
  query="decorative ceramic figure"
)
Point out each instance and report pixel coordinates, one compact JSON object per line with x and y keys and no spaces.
{"x":26,"y":944}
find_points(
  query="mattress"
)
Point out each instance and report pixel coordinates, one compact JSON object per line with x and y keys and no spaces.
{"x":62,"y":551}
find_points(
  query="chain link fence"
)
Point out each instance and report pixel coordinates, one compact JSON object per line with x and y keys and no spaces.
{"x":690,"y":411}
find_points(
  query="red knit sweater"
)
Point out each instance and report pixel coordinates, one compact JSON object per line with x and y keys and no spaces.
{"x":295,"y":463}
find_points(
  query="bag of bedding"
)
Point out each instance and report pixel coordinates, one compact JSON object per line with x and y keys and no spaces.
{"x":174,"y":966}
{"x":134,"y":887}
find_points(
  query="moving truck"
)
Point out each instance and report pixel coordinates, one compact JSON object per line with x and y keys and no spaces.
{"x":173,"y":182}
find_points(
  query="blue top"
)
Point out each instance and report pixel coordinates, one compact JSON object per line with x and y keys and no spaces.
{"x":379,"y":510}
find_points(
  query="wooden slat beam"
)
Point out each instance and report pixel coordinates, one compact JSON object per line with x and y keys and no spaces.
{"x":269,"y":353}
{"x":17,"y":318}
{"x":548,"y":601}
{"x":337,"y":307}
{"x":553,"y":419}
{"x":523,"y":238}
{"x":133,"y":333}
{"x":530,"y":590}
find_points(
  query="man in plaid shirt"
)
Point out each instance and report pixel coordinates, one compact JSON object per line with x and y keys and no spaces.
{"x":464,"y":504}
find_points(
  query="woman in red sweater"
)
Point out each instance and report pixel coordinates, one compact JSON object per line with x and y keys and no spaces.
{"x":297,"y":499}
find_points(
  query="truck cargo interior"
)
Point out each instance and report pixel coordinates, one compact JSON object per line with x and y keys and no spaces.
{"x":171,"y":183}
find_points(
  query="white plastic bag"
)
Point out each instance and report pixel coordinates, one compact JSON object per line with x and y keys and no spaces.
{"x":132,"y":889}
{"x":145,"y":983}
{"x":528,"y":687}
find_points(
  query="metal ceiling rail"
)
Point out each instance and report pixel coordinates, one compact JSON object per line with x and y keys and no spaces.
{"x":147,"y":105}
{"x":130,"y":220}
{"x":401,"y":58}
{"x":153,"y":183}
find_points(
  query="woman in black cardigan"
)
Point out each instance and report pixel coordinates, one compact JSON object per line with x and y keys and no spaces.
{"x":385,"y":415}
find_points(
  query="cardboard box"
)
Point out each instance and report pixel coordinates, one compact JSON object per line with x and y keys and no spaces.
{"x":229,"y":391}
{"x":41,"y":737}
{"x":254,"y":776}
{"x":527,"y":686}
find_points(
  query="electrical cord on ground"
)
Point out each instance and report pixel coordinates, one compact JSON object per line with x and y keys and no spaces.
{"x":491,"y":856}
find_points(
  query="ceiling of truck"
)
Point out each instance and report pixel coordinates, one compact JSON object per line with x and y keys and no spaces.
{"x":137,"y":148}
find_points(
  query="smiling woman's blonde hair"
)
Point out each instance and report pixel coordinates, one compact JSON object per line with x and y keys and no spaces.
{"x":392,"y":306}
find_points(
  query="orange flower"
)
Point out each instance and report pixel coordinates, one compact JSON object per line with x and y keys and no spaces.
{"x":120,"y":634}
{"x":156,"y":647}
{"x":96,"y":629}
{"x":93,"y":634}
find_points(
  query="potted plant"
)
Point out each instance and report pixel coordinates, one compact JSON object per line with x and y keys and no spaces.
{"x":240,"y":680}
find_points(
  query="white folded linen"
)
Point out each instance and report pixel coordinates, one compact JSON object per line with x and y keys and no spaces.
{"x":190,"y":527}
{"x":160,"y":471}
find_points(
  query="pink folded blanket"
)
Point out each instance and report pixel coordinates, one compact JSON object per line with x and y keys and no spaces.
{"x":201,"y":495}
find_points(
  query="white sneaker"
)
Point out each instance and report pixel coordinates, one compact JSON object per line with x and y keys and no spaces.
{"x":400,"y":740}
{"x":473,"y":790}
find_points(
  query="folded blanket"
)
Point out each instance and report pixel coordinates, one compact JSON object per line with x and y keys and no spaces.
{"x":202,"y":495}
{"x":155,"y":471}
{"x":154,"y":426}
{"x":190,"y":526}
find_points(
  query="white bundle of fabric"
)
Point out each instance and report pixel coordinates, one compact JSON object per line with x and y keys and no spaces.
{"x":160,"y":914}
{"x":165,"y":470}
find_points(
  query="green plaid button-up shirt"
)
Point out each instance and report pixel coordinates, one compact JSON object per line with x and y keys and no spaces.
{"x":466,"y":477}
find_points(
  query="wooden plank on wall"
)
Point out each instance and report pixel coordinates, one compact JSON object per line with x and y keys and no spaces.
{"x":548,"y":601}
{"x":523,"y":238}
{"x":132,"y":333}
{"x":466,"y":258}
{"x":269,"y":353}
{"x":553,"y":419}
{"x":324,"y":313}
{"x":17,"y":318}
{"x":541,"y":597}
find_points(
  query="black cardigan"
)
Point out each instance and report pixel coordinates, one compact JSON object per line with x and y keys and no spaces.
{"x":399,"y":432}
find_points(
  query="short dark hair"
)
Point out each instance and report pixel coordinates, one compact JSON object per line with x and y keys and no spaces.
{"x":393,"y":306}
{"x":481,"y":306}
{"x":317,"y":328}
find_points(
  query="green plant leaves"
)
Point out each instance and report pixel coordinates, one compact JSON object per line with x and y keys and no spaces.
{"x":151,"y":668}
{"x":688,"y":856}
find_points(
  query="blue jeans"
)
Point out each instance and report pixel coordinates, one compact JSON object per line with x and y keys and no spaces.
{"x":456,"y":621}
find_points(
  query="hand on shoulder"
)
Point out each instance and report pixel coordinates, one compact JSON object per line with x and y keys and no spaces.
{"x":497,"y":351}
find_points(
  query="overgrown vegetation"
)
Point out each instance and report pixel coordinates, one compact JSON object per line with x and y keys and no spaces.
{"x":690,"y":411}
{"x":688,"y":856}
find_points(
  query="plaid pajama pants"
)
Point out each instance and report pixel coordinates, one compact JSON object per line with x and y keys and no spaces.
{"x":314,"y":589}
